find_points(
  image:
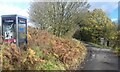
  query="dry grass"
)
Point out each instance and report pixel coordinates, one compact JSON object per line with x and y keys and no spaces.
{"x":45,"y":51}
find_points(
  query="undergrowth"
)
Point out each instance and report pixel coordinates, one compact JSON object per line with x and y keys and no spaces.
{"x":44,"y":52}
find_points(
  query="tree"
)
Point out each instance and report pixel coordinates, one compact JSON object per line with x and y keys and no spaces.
{"x":94,"y":25}
{"x":119,"y":26}
{"x":59,"y":18}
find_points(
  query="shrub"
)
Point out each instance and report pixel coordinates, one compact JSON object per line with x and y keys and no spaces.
{"x":44,"y":52}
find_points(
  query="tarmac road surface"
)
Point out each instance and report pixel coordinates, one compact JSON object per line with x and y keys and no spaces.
{"x":100,"y":59}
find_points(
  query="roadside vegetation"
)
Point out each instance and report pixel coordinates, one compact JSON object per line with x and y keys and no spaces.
{"x":55,"y":41}
{"x":74,"y":19}
{"x":45,"y":52}
{"x":116,"y":46}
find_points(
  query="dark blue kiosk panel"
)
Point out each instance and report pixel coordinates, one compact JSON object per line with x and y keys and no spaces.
{"x":14,"y":29}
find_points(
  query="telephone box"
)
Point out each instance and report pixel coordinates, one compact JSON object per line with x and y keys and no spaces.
{"x":14,"y":29}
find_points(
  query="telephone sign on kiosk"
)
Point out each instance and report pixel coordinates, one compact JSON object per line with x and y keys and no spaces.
{"x":14,"y":29}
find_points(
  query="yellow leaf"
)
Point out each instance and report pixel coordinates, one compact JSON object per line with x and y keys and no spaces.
{"x":24,"y":60}
{"x":55,"y":55}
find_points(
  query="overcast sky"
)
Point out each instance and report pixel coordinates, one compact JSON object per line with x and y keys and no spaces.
{"x":21,"y":7}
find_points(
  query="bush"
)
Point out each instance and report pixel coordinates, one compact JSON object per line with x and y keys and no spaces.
{"x":44,"y":52}
{"x":68,"y":51}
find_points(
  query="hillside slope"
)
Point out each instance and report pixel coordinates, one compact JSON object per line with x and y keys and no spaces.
{"x":44,"y":52}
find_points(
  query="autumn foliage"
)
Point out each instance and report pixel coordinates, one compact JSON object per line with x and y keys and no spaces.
{"x":68,"y":51}
{"x":44,"y":52}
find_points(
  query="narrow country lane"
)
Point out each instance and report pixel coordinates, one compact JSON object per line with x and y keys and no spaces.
{"x":100,"y":59}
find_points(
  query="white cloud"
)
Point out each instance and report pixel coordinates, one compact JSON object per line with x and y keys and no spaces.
{"x":103,"y":0}
{"x":59,"y":0}
{"x":7,"y":9}
{"x":10,"y":8}
{"x":114,"y":19}
{"x":16,"y":1}
{"x":106,"y":6}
